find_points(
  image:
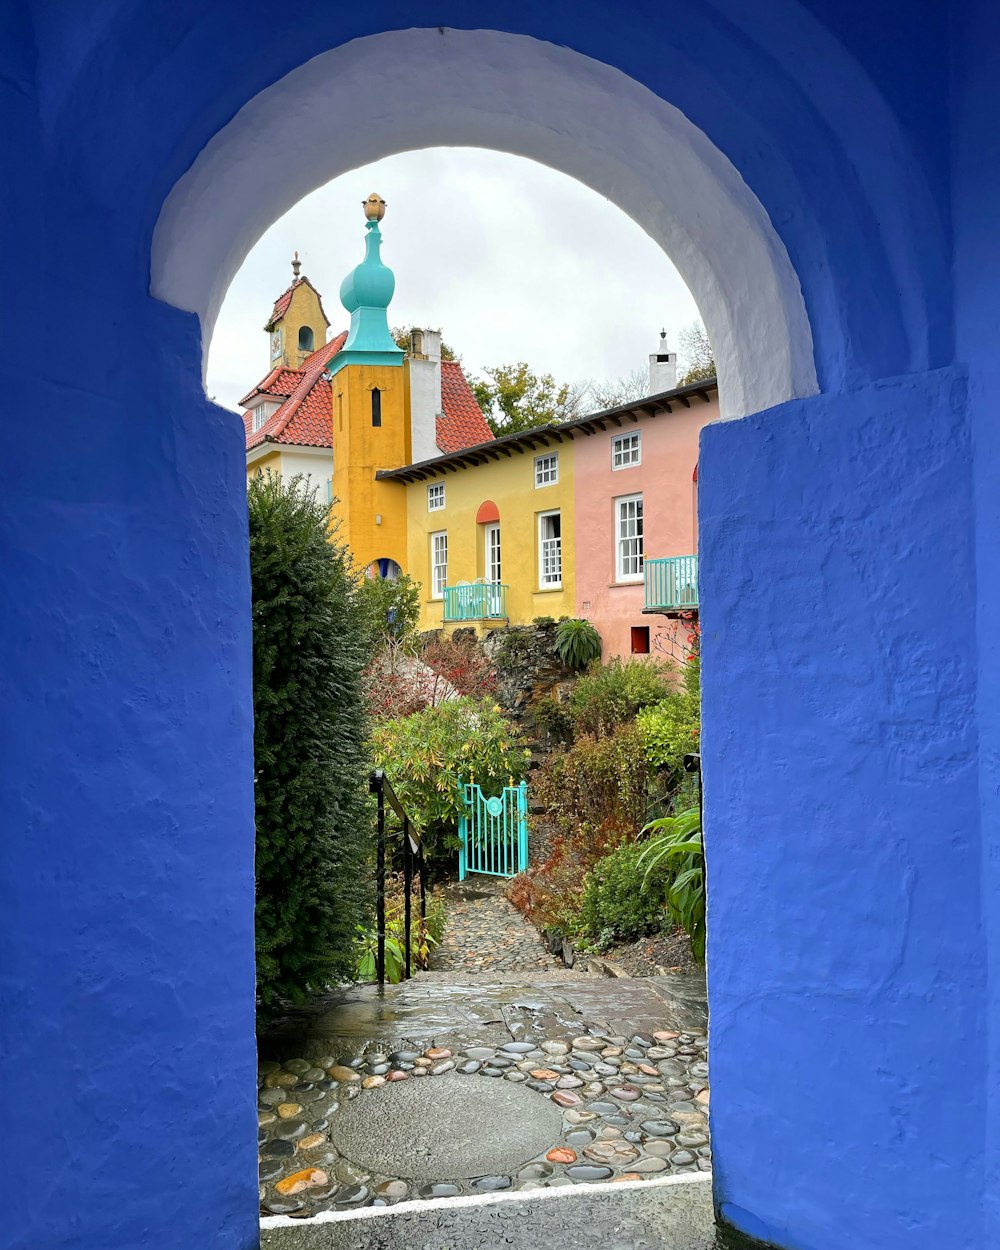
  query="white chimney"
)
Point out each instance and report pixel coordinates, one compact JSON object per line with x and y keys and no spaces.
{"x":424,"y":364}
{"x":662,"y":367}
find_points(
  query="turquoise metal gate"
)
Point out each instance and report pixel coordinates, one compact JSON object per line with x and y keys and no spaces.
{"x":493,"y":831}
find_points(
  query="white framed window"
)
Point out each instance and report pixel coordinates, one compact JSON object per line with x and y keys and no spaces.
{"x":626,"y":450}
{"x":494,"y":567}
{"x":547,"y":469}
{"x":628,"y":538}
{"x":549,"y":549}
{"x":435,"y":497}
{"x":439,"y":563}
{"x":259,"y":416}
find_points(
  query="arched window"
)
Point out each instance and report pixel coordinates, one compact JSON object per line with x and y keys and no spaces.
{"x":305,"y":339}
{"x":376,"y":406}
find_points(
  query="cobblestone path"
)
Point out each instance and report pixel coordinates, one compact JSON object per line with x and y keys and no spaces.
{"x":454,"y":1084}
{"x":485,"y":933}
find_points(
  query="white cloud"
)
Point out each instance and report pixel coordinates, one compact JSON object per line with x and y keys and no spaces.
{"x":512,"y":260}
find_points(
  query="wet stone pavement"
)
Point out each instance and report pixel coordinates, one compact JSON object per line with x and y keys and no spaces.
{"x":485,"y":932}
{"x":455,"y":1084}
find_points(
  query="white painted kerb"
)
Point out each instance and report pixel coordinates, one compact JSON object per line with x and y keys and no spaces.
{"x":417,"y":1205}
{"x":514,"y":94}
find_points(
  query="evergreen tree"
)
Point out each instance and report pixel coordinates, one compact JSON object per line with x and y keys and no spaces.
{"x":314,"y":830}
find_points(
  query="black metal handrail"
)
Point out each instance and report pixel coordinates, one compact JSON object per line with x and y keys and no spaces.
{"x":413,"y":853}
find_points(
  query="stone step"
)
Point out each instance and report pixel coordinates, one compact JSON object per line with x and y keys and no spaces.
{"x":672,"y":1213}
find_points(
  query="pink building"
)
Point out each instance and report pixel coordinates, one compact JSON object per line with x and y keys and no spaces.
{"x":636,"y":538}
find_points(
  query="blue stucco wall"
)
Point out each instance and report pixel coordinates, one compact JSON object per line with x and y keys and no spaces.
{"x":975,"y":118}
{"x":846,"y":976}
{"x":849,"y":559}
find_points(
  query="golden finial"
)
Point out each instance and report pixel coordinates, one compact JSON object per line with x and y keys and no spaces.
{"x":374,"y":207}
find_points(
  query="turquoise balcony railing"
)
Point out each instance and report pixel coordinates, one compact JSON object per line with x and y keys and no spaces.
{"x":671,"y":584}
{"x":482,"y":601}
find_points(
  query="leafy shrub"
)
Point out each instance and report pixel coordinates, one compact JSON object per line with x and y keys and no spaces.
{"x":621,"y":898}
{"x":609,"y":695}
{"x":543,"y":620}
{"x":550,"y":892}
{"x":598,"y":781}
{"x":577,"y":643}
{"x":676,"y":844}
{"x":314,"y":832}
{"x":426,"y":755}
{"x":594,"y":797}
{"x":551,"y":716}
{"x":390,"y":688}
{"x":671,"y":728}
{"x":461,"y":662}
{"x":423,"y":938}
{"x":392,"y":609}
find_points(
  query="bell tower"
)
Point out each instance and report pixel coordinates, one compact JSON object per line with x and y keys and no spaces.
{"x":297,"y":325}
{"x":370,"y":426}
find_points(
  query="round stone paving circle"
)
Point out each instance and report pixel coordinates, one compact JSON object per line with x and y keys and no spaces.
{"x":449,"y":1127}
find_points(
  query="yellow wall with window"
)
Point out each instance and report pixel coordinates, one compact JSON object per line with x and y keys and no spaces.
{"x":371,"y":513}
{"x":509,"y":483}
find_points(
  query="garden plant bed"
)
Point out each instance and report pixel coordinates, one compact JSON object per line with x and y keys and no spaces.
{"x":656,"y":955}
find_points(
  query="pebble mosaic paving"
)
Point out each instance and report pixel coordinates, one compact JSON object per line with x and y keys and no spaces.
{"x":621,"y":1065}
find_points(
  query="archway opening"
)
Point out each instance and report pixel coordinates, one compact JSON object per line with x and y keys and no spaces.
{"x":757,"y":287}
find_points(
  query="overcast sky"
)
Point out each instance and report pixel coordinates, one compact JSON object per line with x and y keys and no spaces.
{"x":512,"y":260}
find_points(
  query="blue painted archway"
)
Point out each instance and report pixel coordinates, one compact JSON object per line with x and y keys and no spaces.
{"x":850,"y":605}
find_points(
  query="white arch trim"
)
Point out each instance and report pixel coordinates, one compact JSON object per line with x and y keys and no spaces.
{"x":410,"y":89}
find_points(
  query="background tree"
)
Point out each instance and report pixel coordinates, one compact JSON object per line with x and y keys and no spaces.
{"x":404,"y":339}
{"x":513,"y":397}
{"x":698,"y":359}
{"x":623,"y":390}
{"x":391,"y":607}
{"x":310,"y":745}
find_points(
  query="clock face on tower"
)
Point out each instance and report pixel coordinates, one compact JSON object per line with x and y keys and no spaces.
{"x":275,"y":344}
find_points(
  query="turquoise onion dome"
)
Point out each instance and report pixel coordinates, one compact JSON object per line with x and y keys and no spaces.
{"x":370,"y":284}
{"x":366,"y":293}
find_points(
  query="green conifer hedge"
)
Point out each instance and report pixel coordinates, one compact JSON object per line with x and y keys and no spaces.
{"x":314,"y":830}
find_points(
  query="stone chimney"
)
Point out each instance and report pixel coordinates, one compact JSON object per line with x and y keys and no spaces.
{"x":424,"y":364}
{"x":662,"y":367}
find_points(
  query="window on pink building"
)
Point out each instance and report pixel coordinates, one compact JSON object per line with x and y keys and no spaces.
{"x":628,"y":538}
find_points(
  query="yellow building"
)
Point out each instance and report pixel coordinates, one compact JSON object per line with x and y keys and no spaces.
{"x":485,"y":531}
{"x":339,"y":413}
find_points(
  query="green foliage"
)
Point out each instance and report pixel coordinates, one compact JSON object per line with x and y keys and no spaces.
{"x":602,"y":782}
{"x":392,"y":608}
{"x":610,"y":695}
{"x":423,"y":938}
{"x":621,"y":898}
{"x":313,"y":825}
{"x":595,"y":798}
{"x":676,"y":845}
{"x":395,"y":956}
{"x":426,"y":755}
{"x":551,"y":716}
{"x":514,"y":398}
{"x":577,"y":643}
{"x":671,"y":728}
{"x":543,"y":620}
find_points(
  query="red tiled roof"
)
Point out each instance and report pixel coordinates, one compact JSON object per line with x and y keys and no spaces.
{"x":285,"y":298}
{"x":461,"y":423}
{"x":306,"y":416}
{"x":279,"y":382}
{"x":305,"y":419}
